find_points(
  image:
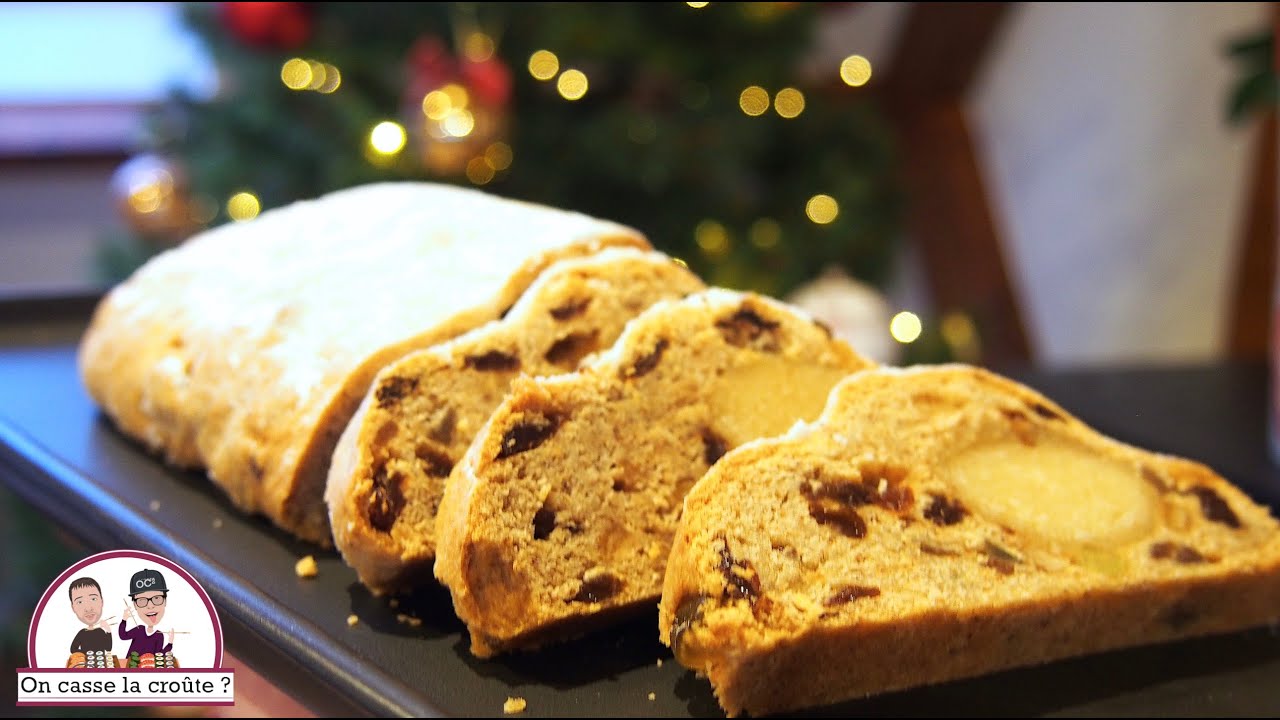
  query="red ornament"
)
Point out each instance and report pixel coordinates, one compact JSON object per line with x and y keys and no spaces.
{"x":274,"y":25}
{"x":490,"y":80}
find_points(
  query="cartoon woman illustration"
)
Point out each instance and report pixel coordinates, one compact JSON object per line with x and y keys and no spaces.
{"x":147,"y":594}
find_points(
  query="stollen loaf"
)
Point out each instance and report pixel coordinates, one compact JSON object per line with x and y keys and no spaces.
{"x":247,"y":349}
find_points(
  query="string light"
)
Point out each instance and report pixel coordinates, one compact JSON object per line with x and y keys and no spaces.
{"x":765,"y":233}
{"x":498,"y":155}
{"x":478,"y":171}
{"x":754,"y":100}
{"x":333,"y":80}
{"x":458,"y":123}
{"x":905,"y":327}
{"x":572,"y":84}
{"x":243,"y":206}
{"x":855,"y":70}
{"x":387,"y":138}
{"x":300,"y":74}
{"x":478,"y":47}
{"x":822,"y":209}
{"x":789,"y":102}
{"x":296,"y":74}
{"x":712,"y":238}
{"x":543,"y":65}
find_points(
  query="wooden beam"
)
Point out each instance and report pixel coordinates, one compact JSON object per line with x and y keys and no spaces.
{"x":937,"y":59}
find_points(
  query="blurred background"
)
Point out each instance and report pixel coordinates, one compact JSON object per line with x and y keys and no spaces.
{"x":1064,"y":185}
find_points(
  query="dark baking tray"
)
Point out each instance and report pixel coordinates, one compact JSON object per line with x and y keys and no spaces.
{"x":61,"y":455}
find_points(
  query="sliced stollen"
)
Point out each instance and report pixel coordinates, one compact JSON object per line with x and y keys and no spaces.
{"x":942,"y":523}
{"x":560,"y":515}
{"x":248,"y":348}
{"x":421,"y":412}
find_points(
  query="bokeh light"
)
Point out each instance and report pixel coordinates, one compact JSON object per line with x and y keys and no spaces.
{"x":905,"y":327}
{"x":855,"y":70}
{"x":243,"y":206}
{"x":543,"y":65}
{"x":387,"y":137}
{"x":754,"y":100}
{"x":822,"y":209}
{"x":572,"y":84}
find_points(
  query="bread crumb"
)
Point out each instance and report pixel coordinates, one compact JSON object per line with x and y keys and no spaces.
{"x":653,"y":696}
{"x":513,"y":705}
{"x":659,"y":662}
{"x":217,"y":523}
{"x":155,"y":506}
{"x":352,"y":620}
{"x":306,"y":567}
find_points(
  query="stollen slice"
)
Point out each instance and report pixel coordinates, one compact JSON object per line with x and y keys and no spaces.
{"x":559,"y":518}
{"x":944,"y":522}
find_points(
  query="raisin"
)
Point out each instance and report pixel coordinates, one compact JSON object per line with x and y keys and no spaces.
{"x":597,"y":586}
{"x":931,"y":549}
{"x":434,"y":462}
{"x":544,"y":521}
{"x":568,"y":350}
{"x":493,"y":360}
{"x":1184,"y":554}
{"x":713,"y":446}
{"x":391,"y":390}
{"x":746,"y":328}
{"x":1153,"y":478}
{"x":825,"y":328}
{"x":1021,"y":426}
{"x":1215,"y":508}
{"x":742,"y":580}
{"x":646,"y":364}
{"x":573,"y":308}
{"x":849,"y":593}
{"x":528,"y":434}
{"x":943,"y":510}
{"x":386,"y":500}
{"x":836,"y":502}
{"x":688,"y":612}
{"x":443,"y":423}
{"x":1003,"y":566}
{"x":503,"y":315}
{"x":1046,"y":412}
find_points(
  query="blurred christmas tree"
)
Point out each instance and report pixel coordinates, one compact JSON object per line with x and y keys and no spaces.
{"x":702,"y":124}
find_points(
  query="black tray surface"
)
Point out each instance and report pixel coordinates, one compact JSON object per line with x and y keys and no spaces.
{"x":59,"y":453}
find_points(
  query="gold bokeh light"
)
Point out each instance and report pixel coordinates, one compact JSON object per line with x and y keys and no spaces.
{"x":789,"y":102}
{"x":905,"y":327}
{"x":765,"y":233}
{"x":458,"y":123}
{"x":478,"y":47}
{"x":296,"y":74}
{"x":822,"y":209}
{"x":498,"y":155}
{"x":697,"y":5}
{"x":754,"y":101}
{"x":855,"y":70}
{"x":572,"y":84}
{"x":479,"y":172}
{"x":243,"y":206}
{"x":543,"y":65}
{"x":387,"y":137}
{"x":712,"y":238}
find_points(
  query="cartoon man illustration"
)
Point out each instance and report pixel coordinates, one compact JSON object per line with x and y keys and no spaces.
{"x":86,"y":603}
{"x":147,"y":594}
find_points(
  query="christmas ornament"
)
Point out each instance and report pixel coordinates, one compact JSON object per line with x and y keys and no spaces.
{"x":151,"y":194}
{"x":270,"y":25}
{"x":854,"y":311}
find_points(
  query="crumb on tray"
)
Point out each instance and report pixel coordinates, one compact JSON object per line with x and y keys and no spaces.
{"x":352,"y":620}
{"x":217,"y":523}
{"x":154,"y":505}
{"x":513,"y":705}
{"x":306,"y":567}
{"x":653,"y":696}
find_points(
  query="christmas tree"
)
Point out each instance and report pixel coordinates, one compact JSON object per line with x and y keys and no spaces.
{"x":702,"y":124}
